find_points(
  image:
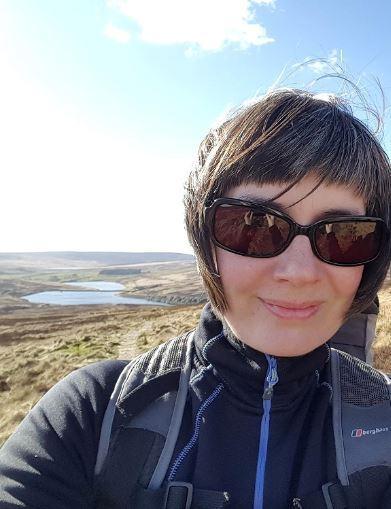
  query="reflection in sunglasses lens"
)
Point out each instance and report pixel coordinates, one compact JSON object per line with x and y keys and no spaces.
{"x":348,"y":241}
{"x":250,"y":231}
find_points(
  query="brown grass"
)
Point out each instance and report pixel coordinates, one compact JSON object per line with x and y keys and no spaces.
{"x":39,"y":346}
{"x":382,"y":345}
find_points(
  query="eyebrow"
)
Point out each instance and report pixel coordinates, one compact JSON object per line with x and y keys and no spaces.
{"x":332,"y":212}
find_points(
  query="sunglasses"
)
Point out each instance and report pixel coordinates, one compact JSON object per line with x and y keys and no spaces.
{"x":249,"y":229}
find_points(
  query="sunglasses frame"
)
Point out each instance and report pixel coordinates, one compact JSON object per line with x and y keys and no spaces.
{"x":294,"y":229}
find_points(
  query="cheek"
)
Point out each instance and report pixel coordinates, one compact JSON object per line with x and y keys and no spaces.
{"x":241,"y":276}
{"x":231,"y":272}
{"x":345,"y":281}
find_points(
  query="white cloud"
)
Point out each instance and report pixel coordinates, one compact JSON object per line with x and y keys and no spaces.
{"x":117,"y":34}
{"x":323,"y":65}
{"x":207,"y":25}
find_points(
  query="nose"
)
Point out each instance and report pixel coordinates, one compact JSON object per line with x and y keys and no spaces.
{"x":298,"y":264}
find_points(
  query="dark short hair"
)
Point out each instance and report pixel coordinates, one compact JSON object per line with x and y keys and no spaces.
{"x":281,"y":138}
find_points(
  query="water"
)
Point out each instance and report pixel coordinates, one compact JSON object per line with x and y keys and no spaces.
{"x":106,"y":292}
{"x":102,"y":286}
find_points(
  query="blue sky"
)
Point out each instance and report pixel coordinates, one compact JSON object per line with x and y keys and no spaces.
{"x":103,"y":103}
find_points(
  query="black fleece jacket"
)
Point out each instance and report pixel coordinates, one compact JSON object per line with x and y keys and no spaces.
{"x":300,"y":453}
{"x":49,"y":461}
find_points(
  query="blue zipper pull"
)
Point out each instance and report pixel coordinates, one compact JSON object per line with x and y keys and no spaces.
{"x":271,"y":378}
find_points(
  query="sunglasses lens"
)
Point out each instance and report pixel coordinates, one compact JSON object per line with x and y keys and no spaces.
{"x":249,"y":231}
{"x":349,"y":242}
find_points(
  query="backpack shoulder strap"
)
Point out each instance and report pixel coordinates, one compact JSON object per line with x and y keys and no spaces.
{"x":175,"y":420}
{"x":361,"y":410}
{"x":361,"y":415}
{"x":140,"y":431}
{"x":133,"y":377}
{"x":105,"y":432}
{"x":357,"y":334}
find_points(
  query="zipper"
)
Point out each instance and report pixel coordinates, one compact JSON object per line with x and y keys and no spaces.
{"x":270,"y":381}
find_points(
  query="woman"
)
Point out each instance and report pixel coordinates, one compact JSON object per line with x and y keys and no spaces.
{"x":272,"y":183}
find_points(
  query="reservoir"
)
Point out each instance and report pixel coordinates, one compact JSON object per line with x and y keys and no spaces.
{"x":100,"y":292}
{"x":102,"y":286}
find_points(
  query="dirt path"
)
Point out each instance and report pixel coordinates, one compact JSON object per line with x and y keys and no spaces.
{"x":41,"y":345}
{"x":128,"y":348}
{"x":159,"y":326}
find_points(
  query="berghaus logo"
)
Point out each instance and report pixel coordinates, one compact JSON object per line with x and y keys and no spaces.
{"x":359,"y":432}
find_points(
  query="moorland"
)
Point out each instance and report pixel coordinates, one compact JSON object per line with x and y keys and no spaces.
{"x":40,"y":344}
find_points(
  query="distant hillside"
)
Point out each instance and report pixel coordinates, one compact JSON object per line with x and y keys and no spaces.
{"x":74,"y":259}
{"x":120,"y":271}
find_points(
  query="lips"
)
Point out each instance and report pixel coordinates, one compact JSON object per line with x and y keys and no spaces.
{"x":292,"y":310}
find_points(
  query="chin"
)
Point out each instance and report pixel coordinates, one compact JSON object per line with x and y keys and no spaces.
{"x":285,"y":345}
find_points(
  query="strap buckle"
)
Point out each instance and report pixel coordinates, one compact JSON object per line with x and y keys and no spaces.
{"x":174,"y":495}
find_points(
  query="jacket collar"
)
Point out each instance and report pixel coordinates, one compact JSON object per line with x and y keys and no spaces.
{"x":244,"y":369}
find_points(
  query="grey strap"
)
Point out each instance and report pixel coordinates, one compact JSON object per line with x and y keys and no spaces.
{"x":388,"y":382}
{"x":105,"y":432}
{"x":176,"y":420}
{"x":337,"y":419}
{"x":179,"y":495}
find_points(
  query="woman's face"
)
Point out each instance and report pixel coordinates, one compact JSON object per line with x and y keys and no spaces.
{"x":290,"y":304}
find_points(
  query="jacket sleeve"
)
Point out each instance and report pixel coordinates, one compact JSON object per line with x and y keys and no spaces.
{"x":48,"y":463}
